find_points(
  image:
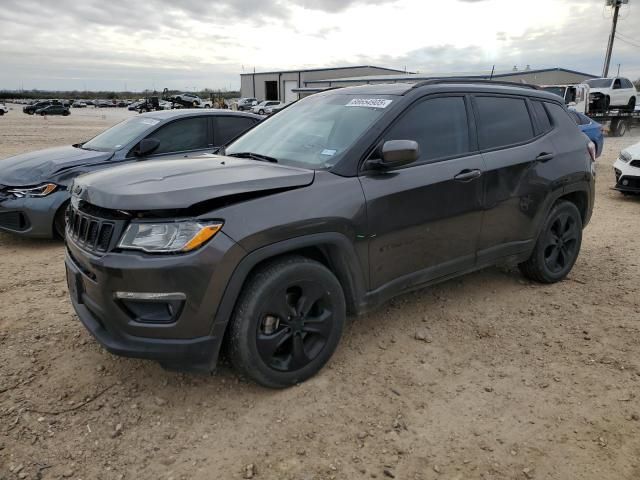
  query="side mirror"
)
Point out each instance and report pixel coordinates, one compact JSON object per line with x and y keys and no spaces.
{"x":397,"y":153}
{"x":146,"y":147}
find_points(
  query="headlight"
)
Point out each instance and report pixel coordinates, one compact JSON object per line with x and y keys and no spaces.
{"x":168,"y":237}
{"x":40,"y":191}
{"x":625,"y":157}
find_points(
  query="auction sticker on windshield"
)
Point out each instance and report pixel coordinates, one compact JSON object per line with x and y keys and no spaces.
{"x":369,"y":102}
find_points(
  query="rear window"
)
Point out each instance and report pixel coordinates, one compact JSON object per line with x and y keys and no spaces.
{"x":503,"y":121}
{"x":229,"y":127}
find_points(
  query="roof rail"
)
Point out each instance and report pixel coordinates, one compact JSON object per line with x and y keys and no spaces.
{"x":438,"y":81}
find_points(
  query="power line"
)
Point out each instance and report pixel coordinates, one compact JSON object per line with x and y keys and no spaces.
{"x":627,"y":41}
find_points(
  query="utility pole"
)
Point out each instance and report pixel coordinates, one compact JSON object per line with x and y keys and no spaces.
{"x":616,"y":4}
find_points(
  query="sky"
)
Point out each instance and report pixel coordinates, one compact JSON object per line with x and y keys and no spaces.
{"x":198,"y":44}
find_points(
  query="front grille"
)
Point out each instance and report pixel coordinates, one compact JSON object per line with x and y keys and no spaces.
{"x":13,"y":220}
{"x":635,"y":163}
{"x":90,"y":232}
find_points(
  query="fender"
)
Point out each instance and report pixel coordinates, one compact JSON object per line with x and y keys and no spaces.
{"x":584,"y":186}
{"x":339,"y":251}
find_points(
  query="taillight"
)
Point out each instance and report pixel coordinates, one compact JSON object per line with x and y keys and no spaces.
{"x":592,"y":151}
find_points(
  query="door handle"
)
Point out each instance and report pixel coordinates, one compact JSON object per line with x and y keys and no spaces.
{"x":467,"y":175}
{"x":544,"y":157}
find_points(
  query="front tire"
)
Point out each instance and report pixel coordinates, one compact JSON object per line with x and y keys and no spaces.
{"x":558,"y":245}
{"x":287,"y":323}
{"x":60,"y":221}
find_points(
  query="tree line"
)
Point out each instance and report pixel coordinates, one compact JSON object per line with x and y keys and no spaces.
{"x":105,"y":95}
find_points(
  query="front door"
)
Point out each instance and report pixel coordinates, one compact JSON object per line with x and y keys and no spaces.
{"x":424,"y":219}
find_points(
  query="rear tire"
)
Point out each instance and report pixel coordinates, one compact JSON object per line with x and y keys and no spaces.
{"x":287,"y":322}
{"x":558,"y":245}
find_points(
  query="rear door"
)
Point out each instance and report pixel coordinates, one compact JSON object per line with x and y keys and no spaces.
{"x":513,"y":136}
{"x":424,"y":219}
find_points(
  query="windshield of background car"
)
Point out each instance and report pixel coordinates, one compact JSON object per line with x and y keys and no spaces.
{"x":600,"y":83}
{"x":314,"y":132}
{"x":121,"y":134}
{"x":557,"y":90}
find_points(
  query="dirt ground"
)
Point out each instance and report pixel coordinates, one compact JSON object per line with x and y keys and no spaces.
{"x":510,"y":380}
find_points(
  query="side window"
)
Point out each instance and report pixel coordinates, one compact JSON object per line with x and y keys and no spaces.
{"x":616,"y":84}
{"x":229,"y":127}
{"x":544,"y":122}
{"x":502,"y":121}
{"x":182,"y":135}
{"x":561,"y":117}
{"x":626,"y":83}
{"x":439,"y":125}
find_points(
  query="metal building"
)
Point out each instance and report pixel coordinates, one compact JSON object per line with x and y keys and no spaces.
{"x":283,"y":85}
{"x":545,"y":76}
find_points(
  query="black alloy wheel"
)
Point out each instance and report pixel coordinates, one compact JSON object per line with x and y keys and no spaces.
{"x":287,"y":322}
{"x":560,"y":242}
{"x":295,"y":327}
{"x":558,"y":245}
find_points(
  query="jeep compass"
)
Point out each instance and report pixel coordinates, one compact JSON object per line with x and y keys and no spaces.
{"x":329,"y":208}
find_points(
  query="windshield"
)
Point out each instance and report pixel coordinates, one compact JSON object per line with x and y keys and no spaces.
{"x":557,"y":90}
{"x":600,"y":82}
{"x":121,"y":134}
{"x":314,"y":132}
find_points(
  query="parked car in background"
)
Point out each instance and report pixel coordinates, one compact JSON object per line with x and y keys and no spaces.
{"x":3,"y":109}
{"x":246,"y":103}
{"x":275,"y":108}
{"x":31,"y":109}
{"x":79,"y":104}
{"x":135,"y":105}
{"x":615,"y":92}
{"x":57,"y":109}
{"x":334,"y":205}
{"x":261,"y":108}
{"x":193,"y":99}
{"x":591,"y":129}
{"x":627,"y":170}
{"x":34,"y":186}
{"x":89,"y":102}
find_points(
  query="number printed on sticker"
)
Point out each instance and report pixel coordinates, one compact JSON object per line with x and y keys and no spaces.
{"x":369,"y":102}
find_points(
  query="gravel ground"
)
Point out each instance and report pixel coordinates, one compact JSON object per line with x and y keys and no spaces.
{"x":488,"y":376}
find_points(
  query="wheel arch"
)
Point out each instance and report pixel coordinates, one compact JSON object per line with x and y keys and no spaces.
{"x":333,"y":250}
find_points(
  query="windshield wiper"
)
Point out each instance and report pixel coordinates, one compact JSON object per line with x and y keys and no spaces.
{"x":253,"y":156}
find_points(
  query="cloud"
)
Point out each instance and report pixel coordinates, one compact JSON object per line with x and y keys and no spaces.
{"x":187,"y":43}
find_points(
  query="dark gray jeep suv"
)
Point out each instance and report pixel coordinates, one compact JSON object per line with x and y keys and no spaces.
{"x":330,"y":207}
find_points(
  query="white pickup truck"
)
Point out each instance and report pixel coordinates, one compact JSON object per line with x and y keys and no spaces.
{"x":575,"y":96}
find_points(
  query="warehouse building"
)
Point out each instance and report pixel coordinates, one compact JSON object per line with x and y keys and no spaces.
{"x":545,"y":76}
{"x":283,"y":85}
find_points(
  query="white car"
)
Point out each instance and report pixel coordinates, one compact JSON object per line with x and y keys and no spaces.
{"x":3,"y":109}
{"x":627,"y":170}
{"x":612,"y":93}
{"x":261,"y":108}
{"x":195,"y":100}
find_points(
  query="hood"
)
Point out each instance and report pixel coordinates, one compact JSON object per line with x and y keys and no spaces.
{"x":633,"y":151}
{"x":599,"y":90}
{"x":50,"y":165}
{"x":180,"y":184}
